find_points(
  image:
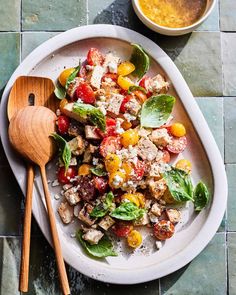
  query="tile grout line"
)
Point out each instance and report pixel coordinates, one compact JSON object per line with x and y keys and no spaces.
{"x":226,"y":263}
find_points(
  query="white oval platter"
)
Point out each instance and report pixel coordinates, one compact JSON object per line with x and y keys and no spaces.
{"x":196,"y":230}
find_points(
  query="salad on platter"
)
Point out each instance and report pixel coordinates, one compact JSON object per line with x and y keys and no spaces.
{"x":116,"y":136}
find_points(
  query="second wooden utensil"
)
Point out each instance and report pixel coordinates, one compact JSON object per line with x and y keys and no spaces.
{"x":29,"y":133}
{"x":26,"y":91}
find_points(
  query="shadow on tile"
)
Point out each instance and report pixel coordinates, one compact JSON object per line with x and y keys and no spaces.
{"x":121,"y":13}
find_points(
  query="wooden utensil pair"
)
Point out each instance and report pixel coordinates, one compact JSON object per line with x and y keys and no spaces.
{"x":29,"y":131}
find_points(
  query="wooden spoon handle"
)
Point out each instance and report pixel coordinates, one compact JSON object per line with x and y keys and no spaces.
{"x":24,"y":267}
{"x":57,"y":247}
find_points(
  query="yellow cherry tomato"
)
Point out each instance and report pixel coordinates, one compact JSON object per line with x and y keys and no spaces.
{"x":134,"y":239}
{"x":112,"y":163}
{"x":141,"y":96}
{"x":141,"y":199}
{"x":125,"y":68}
{"x":124,"y":83}
{"x":64,"y":76}
{"x":178,"y":130}
{"x":129,"y":137}
{"x":84,"y":169}
{"x":63,"y":103}
{"x":131,"y":197}
{"x":116,"y":179}
{"x":185,"y":165}
{"x":126,"y":125}
{"x":126,"y":166}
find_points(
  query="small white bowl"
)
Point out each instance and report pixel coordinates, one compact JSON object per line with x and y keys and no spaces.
{"x":172,"y":31}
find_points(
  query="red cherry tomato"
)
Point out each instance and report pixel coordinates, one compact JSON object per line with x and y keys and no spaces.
{"x":144,"y":83}
{"x":164,"y":230}
{"x":139,"y":170}
{"x":110,"y":144}
{"x":85,"y":93}
{"x":177,"y":145}
{"x":166,"y":156}
{"x":110,"y":128}
{"x":64,"y":176}
{"x":101,"y":184}
{"x":63,"y":123}
{"x":124,"y":102}
{"x":112,"y":76}
{"x":123,"y":92}
{"x":94,"y":57}
{"x":122,"y":229}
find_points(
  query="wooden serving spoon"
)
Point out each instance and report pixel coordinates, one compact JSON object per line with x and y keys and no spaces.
{"x":28,"y":90}
{"x":29,"y":133}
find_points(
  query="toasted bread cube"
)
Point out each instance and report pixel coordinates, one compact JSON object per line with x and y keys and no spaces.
{"x":72,"y":196}
{"x":146,"y":149}
{"x":160,"y":137}
{"x":106,"y":222}
{"x":156,"y":209}
{"x":157,"y":188}
{"x":115,"y":103}
{"x":173,"y":215}
{"x":93,"y":236}
{"x":84,"y":214}
{"x":66,"y":212}
{"x":90,"y":132}
{"x":77,"y":145}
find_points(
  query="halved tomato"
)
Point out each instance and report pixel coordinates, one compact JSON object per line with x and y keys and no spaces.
{"x":122,"y":229}
{"x":126,"y":99}
{"x":177,"y":145}
{"x":110,"y":128}
{"x":110,"y":144}
{"x":164,"y":230}
{"x":101,"y":184}
{"x":85,"y":93}
{"x":94,"y":57}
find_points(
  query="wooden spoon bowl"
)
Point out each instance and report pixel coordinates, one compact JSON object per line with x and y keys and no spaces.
{"x":29,"y":132}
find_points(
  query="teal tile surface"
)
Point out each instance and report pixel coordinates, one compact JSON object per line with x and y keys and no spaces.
{"x":213,"y":22}
{"x":229,"y":63}
{"x":118,"y":12}
{"x":44,"y":278}
{"x":32,"y":40}
{"x":230,"y":129}
{"x":10,"y":264}
{"x":10,"y":55}
{"x":198,"y":57}
{"x":213,"y":111}
{"x":10,"y":15}
{"x":232,"y":263}
{"x":205,"y":275}
{"x":227,"y":15}
{"x":53,"y":15}
{"x":231,"y":216}
{"x":10,"y":203}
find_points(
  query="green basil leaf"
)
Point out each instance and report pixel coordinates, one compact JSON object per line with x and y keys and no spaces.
{"x":104,"y":247}
{"x":103,"y":208}
{"x":89,"y":112}
{"x":98,"y":171}
{"x":134,"y":88}
{"x":60,"y":92}
{"x":64,"y":149}
{"x":201,"y":196}
{"x":179,"y":184}
{"x":127,"y":211}
{"x":72,"y":76}
{"x":141,"y":61}
{"x":156,"y":110}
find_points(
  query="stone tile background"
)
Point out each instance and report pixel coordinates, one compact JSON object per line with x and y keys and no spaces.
{"x":207,"y":60}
